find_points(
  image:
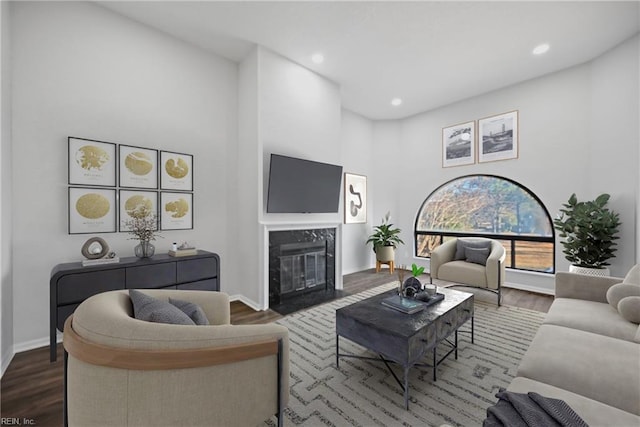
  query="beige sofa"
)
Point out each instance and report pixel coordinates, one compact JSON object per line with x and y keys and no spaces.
{"x":586,"y":353}
{"x":127,"y":372}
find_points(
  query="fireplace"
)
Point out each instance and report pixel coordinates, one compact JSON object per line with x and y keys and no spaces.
{"x":301,"y":262}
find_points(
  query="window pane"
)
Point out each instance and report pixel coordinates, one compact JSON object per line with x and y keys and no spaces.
{"x":484,"y":204}
{"x":426,"y":244}
{"x":536,"y":256}
{"x":507,"y":249}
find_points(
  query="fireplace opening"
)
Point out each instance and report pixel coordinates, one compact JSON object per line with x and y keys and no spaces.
{"x":303,"y":266}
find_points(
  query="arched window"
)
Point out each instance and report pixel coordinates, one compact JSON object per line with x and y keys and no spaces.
{"x":489,"y":206}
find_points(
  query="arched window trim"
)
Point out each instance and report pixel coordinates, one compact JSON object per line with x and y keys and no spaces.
{"x":512,"y":238}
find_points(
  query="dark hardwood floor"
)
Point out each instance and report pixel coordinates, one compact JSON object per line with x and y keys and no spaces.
{"x":32,"y":387}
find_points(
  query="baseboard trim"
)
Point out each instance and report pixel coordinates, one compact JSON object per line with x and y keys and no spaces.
{"x":530,"y":288}
{"x":246,"y":301}
{"x":6,"y":360}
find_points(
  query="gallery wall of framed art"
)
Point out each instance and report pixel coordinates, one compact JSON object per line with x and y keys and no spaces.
{"x":484,"y":140}
{"x":111,"y":183}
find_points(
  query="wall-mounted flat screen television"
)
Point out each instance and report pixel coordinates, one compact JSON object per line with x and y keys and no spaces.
{"x":303,"y":186}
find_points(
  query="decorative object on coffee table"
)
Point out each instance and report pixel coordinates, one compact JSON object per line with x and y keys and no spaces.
{"x":589,"y":230}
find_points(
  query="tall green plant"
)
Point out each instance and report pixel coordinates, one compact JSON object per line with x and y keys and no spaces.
{"x":589,"y":230}
{"x":385,"y":235}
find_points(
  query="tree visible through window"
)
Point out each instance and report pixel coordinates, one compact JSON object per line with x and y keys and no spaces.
{"x":489,"y":206}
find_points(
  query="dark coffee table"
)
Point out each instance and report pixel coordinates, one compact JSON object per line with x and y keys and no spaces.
{"x":404,"y":338}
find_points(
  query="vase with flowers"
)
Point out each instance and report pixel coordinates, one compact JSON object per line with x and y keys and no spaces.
{"x":143,"y":226}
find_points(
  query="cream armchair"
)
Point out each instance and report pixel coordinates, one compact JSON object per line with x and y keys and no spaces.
{"x":120,"y":371}
{"x":450,"y":264}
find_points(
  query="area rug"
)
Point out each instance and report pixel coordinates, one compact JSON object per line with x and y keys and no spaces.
{"x":364,"y":393}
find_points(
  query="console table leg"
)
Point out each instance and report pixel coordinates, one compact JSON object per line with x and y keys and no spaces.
{"x":337,"y":351}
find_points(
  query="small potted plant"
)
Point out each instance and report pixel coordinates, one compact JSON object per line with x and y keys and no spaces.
{"x":385,"y":239}
{"x":589,"y":230}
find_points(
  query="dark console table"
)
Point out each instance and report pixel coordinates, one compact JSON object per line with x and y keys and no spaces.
{"x":71,"y":283}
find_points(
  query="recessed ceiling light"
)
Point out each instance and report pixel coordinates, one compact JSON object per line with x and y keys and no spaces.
{"x":396,"y":101}
{"x":540,"y":49}
{"x":318,"y":58}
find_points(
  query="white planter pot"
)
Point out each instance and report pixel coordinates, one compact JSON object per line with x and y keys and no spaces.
{"x":589,"y":271}
{"x":385,"y":253}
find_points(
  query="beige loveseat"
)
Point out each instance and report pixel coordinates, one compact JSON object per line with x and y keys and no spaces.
{"x":127,"y":372}
{"x":586,"y":353}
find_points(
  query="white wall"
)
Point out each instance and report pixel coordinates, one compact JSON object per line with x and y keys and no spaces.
{"x":561,"y":132}
{"x":81,"y":70}
{"x":357,"y":155}
{"x":615,"y":138}
{"x":6,"y":233}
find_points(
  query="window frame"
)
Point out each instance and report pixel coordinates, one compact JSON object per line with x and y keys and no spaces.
{"x":512,"y":238}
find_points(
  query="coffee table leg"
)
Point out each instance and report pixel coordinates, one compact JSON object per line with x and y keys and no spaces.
{"x":456,"y":344}
{"x":435,"y":363}
{"x":406,"y":388}
{"x":338,"y":350}
{"x":472,"y":330}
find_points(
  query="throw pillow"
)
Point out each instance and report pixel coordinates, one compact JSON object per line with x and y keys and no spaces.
{"x":461,"y":244}
{"x":629,"y":309}
{"x":151,"y":309}
{"x":194,"y":311}
{"x":621,"y":290}
{"x":477,"y":256}
{"x":633,"y":276}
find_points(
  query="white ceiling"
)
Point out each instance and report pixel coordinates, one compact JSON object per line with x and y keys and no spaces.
{"x":428,"y":53}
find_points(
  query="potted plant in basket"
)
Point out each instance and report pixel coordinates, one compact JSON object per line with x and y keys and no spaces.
{"x":589,"y":230}
{"x":385,"y":239}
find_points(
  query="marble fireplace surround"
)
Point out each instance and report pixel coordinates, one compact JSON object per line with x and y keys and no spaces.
{"x":285,"y":233}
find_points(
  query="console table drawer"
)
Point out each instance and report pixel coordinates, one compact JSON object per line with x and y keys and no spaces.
{"x":196,"y":269}
{"x":200,"y":285}
{"x":151,"y":276}
{"x":80,"y":286}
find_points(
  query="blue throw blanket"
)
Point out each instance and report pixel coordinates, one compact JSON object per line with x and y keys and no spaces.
{"x":531,"y":410}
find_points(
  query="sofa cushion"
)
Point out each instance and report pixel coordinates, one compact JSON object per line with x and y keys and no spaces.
{"x":592,"y":412}
{"x":151,"y":309}
{"x":590,"y":316}
{"x":621,"y":290}
{"x":477,"y":256}
{"x":463,"y":272}
{"x":633,"y":276}
{"x":629,"y":308}
{"x":462,"y":244}
{"x":192,"y":310}
{"x":595,"y":366}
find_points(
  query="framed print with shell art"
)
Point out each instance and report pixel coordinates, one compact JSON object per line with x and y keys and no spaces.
{"x":138,"y":167}
{"x":92,"y":210}
{"x":91,"y":163}
{"x":176,"y":171}
{"x":137,"y":204}
{"x":176,"y":211}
